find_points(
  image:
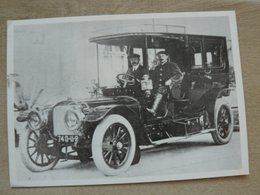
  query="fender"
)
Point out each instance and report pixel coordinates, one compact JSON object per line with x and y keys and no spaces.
{"x":223,"y":97}
{"x":214,"y":94}
{"x":224,"y":92}
{"x":99,"y":112}
{"x":133,"y":116}
{"x":217,"y":94}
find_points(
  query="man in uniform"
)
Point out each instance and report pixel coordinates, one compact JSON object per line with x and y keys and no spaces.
{"x":136,"y":70}
{"x":165,"y":75}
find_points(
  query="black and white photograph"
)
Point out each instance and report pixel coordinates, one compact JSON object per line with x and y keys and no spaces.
{"x":111,"y":99}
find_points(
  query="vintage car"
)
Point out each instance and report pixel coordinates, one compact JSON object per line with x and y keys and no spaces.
{"x":110,"y":129}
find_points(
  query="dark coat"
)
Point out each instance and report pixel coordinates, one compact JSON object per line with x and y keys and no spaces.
{"x":139,"y":73}
{"x":162,"y":73}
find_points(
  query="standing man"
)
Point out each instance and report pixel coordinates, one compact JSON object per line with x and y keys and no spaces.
{"x":137,"y":70}
{"x":166,"y":74}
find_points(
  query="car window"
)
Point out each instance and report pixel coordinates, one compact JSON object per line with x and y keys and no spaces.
{"x":214,"y":54}
{"x":196,"y":54}
{"x":112,"y":61}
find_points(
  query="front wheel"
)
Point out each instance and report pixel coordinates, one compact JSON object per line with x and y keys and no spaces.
{"x":113,"y":145}
{"x":223,"y":124}
{"x":38,"y":151}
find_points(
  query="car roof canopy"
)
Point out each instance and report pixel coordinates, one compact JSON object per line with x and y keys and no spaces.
{"x":137,"y":39}
{"x":137,"y":35}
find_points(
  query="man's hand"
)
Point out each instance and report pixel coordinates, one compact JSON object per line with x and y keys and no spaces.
{"x":168,"y":83}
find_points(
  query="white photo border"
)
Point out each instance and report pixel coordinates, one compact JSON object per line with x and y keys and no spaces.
{"x":113,"y":180}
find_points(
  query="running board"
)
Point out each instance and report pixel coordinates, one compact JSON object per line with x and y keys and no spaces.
{"x":174,"y":139}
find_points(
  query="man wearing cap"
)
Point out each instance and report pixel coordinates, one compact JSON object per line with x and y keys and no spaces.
{"x":166,"y":74}
{"x":136,"y":70}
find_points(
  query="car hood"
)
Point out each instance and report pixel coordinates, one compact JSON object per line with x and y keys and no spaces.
{"x":97,"y":108}
{"x":103,"y":101}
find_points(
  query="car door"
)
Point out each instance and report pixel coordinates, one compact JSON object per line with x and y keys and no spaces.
{"x":196,"y":87}
{"x":208,"y":65}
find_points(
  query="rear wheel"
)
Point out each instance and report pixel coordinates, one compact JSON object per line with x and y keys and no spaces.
{"x":223,"y":124}
{"x":113,"y":145}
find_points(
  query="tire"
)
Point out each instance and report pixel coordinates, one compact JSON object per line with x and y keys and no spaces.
{"x":113,"y":145}
{"x":37,"y":151}
{"x":137,"y":156}
{"x":224,"y":123}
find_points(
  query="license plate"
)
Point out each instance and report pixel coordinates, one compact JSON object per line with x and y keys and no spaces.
{"x":68,"y":138}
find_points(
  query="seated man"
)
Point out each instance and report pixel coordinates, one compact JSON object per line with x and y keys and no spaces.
{"x":137,"y":70}
{"x":166,"y":75}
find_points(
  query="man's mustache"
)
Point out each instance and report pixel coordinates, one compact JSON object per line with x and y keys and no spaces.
{"x":161,"y":60}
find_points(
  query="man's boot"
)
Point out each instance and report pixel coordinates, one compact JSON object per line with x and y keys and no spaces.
{"x":156,"y":103}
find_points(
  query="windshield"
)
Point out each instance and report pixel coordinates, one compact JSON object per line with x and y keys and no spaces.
{"x":113,"y":61}
{"x":113,"y":53}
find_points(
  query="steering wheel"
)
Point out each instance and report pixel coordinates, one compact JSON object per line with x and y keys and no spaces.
{"x":126,"y":79}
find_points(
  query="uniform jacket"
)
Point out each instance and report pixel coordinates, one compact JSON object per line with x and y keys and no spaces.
{"x":138,"y":73}
{"x":162,"y":73}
